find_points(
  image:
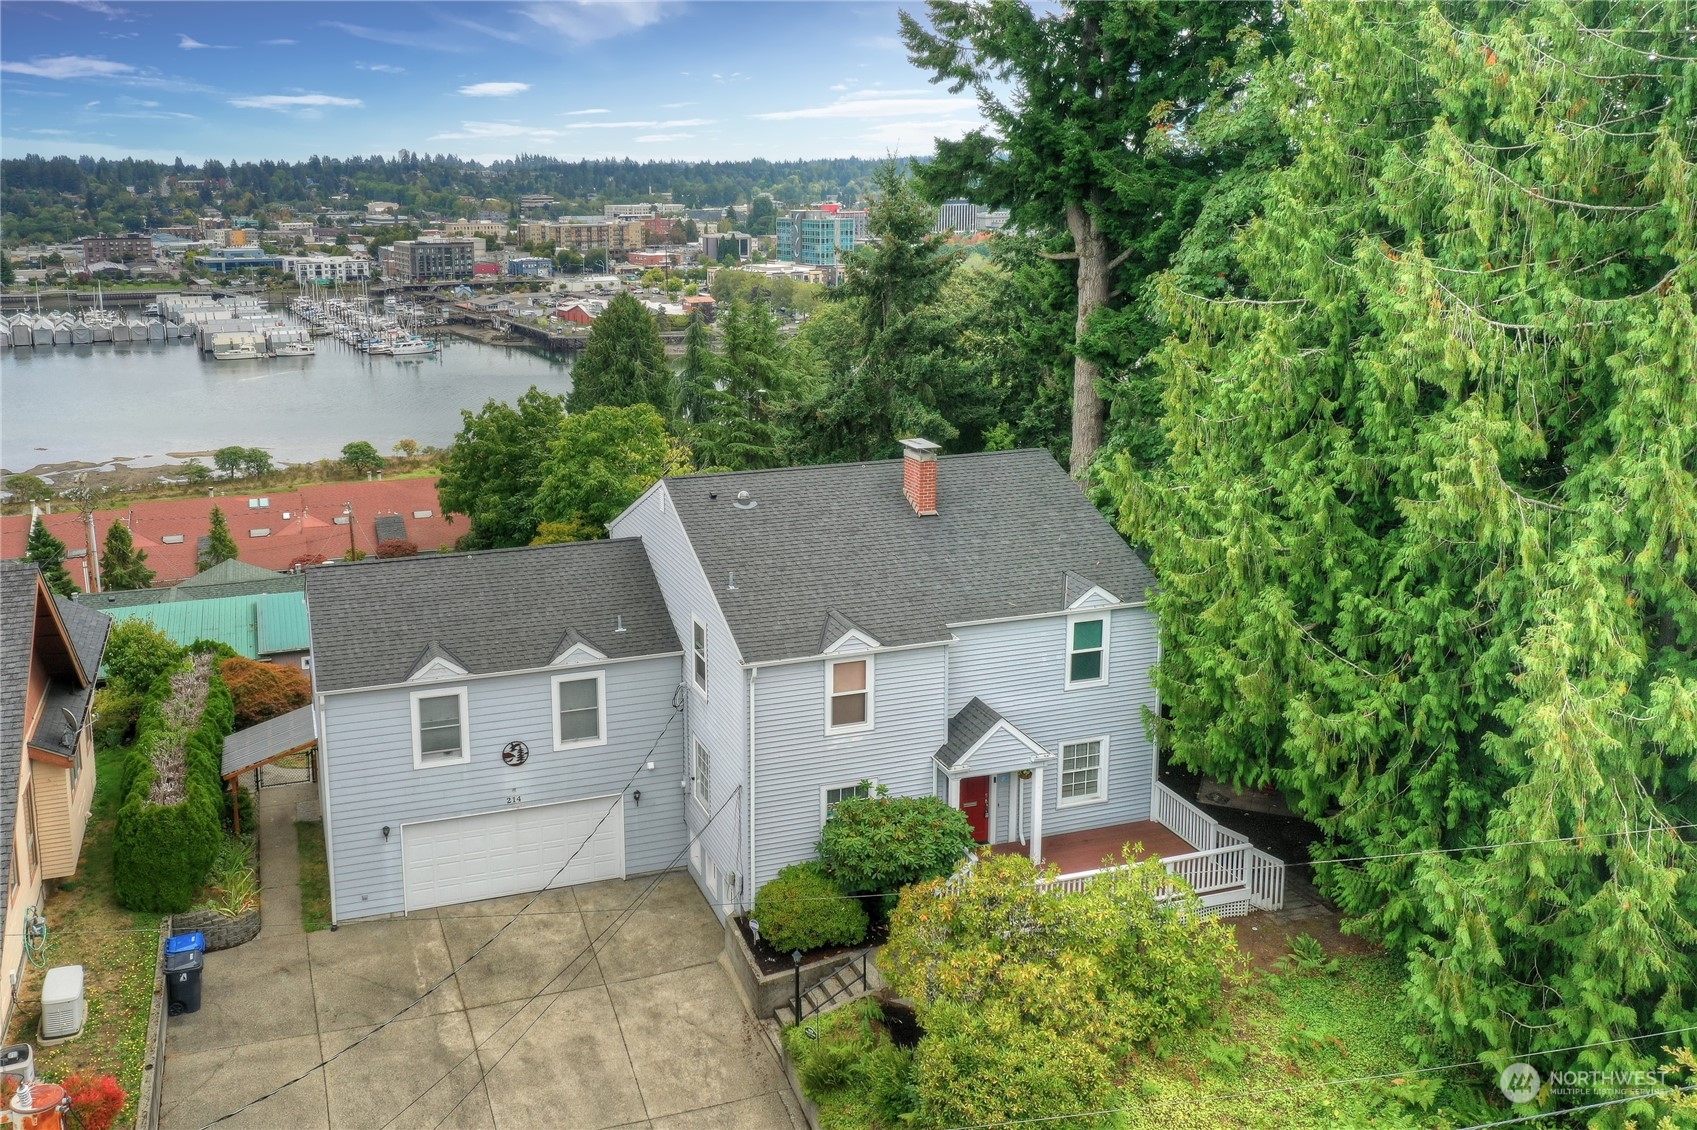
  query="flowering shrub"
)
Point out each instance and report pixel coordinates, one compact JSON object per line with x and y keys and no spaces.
{"x":96,"y":1100}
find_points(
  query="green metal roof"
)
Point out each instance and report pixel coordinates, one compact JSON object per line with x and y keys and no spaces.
{"x":283,"y":624}
{"x":253,"y":625}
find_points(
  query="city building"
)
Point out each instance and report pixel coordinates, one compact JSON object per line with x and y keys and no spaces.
{"x":491,"y":229}
{"x":713,"y":245}
{"x":641,"y":211}
{"x":957,"y":216}
{"x":223,"y":260}
{"x":527,"y":266}
{"x":334,"y":268}
{"x":992,"y":220}
{"x":535,"y":201}
{"x":382,"y":208}
{"x":116,"y":247}
{"x":817,"y":236}
{"x":418,"y":260}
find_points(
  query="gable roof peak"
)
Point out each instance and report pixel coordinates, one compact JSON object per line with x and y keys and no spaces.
{"x":435,"y":662}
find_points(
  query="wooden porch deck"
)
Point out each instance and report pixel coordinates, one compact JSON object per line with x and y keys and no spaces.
{"x":1084,"y":851}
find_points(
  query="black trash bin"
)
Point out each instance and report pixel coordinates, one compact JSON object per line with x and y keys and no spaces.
{"x":182,"y":981}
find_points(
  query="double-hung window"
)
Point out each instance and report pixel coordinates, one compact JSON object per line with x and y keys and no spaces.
{"x":698,"y":648}
{"x":440,"y":730}
{"x":701,"y":777}
{"x":1084,"y":772}
{"x":580,"y":710}
{"x":848,"y":693}
{"x":833,"y":795}
{"x":1087,"y":651}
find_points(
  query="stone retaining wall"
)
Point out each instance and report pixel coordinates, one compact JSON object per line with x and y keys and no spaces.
{"x":222,"y":933}
{"x":765,"y":992}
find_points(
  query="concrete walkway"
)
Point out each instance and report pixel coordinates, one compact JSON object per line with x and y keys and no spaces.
{"x":579,"y":1015}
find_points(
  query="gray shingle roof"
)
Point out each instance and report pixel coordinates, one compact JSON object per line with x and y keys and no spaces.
{"x":970,"y":723}
{"x":17,"y":633}
{"x":1010,"y":526}
{"x":192,"y":589}
{"x":89,"y":630}
{"x":227,"y":573}
{"x":504,"y":610}
{"x":391,"y":527}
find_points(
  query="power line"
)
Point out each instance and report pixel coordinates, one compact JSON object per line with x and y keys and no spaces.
{"x":1587,"y":1106}
{"x":611,"y":928}
{"x":677,"y":711}
{"x":1317,"y":1085}
{"x":1509,"y":844}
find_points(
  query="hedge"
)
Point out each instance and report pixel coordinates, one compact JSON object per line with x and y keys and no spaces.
{"x":801,"y":908}
{"x":164,"y":851}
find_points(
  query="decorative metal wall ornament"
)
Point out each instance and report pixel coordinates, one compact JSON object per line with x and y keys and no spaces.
{"x":515,"y":753}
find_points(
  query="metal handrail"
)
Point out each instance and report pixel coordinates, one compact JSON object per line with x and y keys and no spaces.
{"x":865,"y":983}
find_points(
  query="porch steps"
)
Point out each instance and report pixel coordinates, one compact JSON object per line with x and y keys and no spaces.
{"x":833,"y":992}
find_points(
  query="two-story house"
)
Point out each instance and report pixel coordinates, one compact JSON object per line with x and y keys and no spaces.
{"x":747,"y":649}
{"x":50,"y":650}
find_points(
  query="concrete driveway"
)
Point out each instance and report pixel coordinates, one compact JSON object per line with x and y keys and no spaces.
{"x":641,"y":1029}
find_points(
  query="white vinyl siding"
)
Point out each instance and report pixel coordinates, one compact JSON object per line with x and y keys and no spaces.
{"x":1087,"y":651}
{"x":848,"y":695}
{"x":440,"y":733}
{"x":1084,"y":772}
{"x":580,"y":711}
{"x":701,"y":777}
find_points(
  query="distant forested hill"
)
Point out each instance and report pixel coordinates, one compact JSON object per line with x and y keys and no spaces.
{"x":62,"y":198}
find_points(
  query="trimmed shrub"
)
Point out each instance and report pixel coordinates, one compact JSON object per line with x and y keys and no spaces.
{"x":170,"y":824}
{"x":882,"y":843}
{"x":802,"y":909}
{"x":116,"y":710}
{"x":137,"y":654}
{"x":263,"y":690}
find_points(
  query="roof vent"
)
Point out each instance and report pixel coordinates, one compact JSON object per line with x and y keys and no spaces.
{"x":744,"y":501}
{"x":620,"y":623}
{"x":731,"y":583}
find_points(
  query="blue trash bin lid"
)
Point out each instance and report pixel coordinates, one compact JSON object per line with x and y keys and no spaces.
{"x":192,"y":942}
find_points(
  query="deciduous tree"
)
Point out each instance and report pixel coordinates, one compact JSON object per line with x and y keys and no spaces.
{"x":28,"y":488}
{"x":361,"y":456}
{"x":1428,"y":535}
{"x":494,"y":468}
{"x":602,"y":461}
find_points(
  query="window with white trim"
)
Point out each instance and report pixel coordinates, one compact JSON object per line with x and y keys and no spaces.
{"x":441,"y":732}
{"x":699,"y":650}
{"x":580,"y":710}
{"x":1087,"y":651}
{"x":848,"y":695}
{"x":832,"y":795}
{"x":1084,"y":772}
{"x":701,"y":776}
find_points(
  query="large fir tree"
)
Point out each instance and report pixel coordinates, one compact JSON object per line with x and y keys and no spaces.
{"x":623,"y":362}
{"x":48,"y":553}
{"x":1428,"y":537}
{"x":122,"y":565}
{"x":220,"y":545}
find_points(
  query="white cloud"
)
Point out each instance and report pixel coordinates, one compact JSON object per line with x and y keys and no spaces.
{"x":877,"y":104}
{"x":479,"y":131}
{"x":292,"y":101}
{"x":91,"y":105}
{"x":585,"y":21}
{"x":494,"y":89}
{"x":278,"y":42}
{"x":840,"y":86}
{"x":915,"y":136}
{"x":581,"y":113}
{"x":381,"y":68}
{"x":189,"y":43}
{"x":675,"y":105}
{"x":652,"y":137}
{"x":423,"y":42}
{"x":68,"y":66}
{"x":676,"y":123}
{"x":103,"y":9}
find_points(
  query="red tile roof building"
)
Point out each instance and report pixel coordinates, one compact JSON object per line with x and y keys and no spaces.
{"x":272,"y":529}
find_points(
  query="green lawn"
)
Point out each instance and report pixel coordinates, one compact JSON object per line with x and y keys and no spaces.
{"x":315,"y":875}
{"x":115,"y":947}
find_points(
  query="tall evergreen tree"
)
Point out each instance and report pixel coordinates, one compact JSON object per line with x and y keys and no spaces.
{"x":122,"y":565}
{"x":697,"y":381}
{"x":1428,"y":536}
{"x":623,"y":362}
{"x":48,"y":553}
{"x":742,"y":430}
{"x":1078,"y":101}
{"x":220,"y":546}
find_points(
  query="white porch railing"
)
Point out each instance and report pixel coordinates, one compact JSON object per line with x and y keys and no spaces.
{"x":1193,"y":826}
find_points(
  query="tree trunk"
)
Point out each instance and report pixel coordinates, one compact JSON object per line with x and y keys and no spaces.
{"x":1093,"y":287}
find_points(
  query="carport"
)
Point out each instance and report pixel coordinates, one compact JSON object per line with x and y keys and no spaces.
{"x":249,"y":750}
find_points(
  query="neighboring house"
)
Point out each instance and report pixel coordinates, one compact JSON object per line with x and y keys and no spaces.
{"x":269,"y":626}
{"x":967,"y":627}
{"x":227,"y":578}
{"x":50,"y":650}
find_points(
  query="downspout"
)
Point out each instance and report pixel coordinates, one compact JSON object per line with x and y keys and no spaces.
{"x":748,"y":825}
{"x":323,"y":761}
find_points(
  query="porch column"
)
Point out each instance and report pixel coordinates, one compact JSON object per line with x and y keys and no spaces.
{"x":1036,"y":813}
{"x":954,"y":791}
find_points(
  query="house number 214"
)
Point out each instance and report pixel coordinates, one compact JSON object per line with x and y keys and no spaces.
{"x":515,"y":799}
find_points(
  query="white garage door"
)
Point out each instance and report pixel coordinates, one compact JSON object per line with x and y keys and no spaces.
{"x":512,"y":851}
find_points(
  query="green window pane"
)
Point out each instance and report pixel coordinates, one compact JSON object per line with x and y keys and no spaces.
{"x":1086,"y":665}
{"x":1086,"y":634}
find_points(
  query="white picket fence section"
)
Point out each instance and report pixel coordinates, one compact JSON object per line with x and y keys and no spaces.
{"x":1230,"y":875}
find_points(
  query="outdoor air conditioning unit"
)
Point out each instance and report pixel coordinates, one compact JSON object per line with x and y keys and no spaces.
{"x":63,"y":1008}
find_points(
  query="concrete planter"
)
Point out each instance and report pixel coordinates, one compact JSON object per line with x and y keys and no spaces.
{"x":765,"y":992}
{"x":221,"y":933}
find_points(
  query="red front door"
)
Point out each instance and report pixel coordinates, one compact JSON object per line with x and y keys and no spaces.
{"x":975,"y":802}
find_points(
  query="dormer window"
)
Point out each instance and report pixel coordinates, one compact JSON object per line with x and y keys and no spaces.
{"x":848,"y":684}
{"x":1087,"y":651}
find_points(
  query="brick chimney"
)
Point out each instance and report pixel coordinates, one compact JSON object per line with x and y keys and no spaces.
{"x":919,"y":475}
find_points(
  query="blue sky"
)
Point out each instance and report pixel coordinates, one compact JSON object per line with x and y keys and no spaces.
{"x":568,"y":78}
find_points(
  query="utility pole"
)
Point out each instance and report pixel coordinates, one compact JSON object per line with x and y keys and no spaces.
{"x":84,"y":496}
{"x":348,"y":509}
